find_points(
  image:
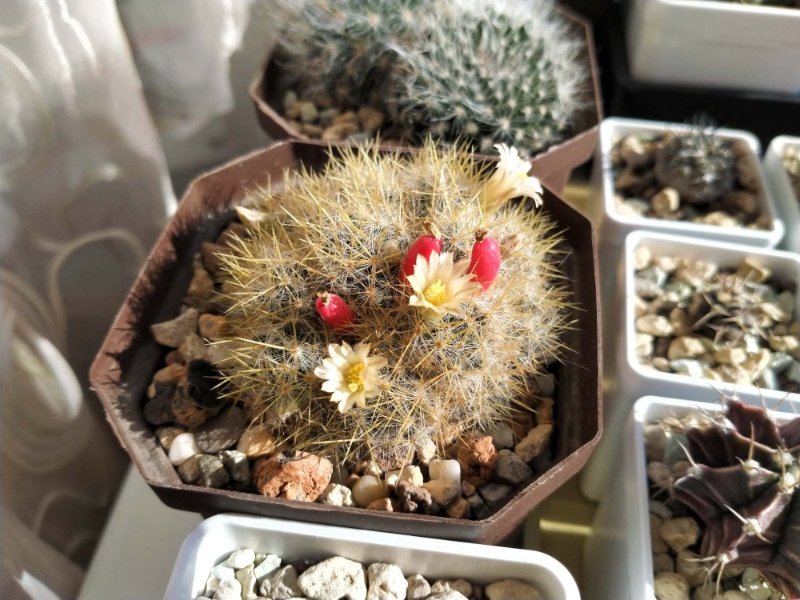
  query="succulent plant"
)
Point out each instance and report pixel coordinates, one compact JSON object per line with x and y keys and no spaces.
{"x":492,"y":72}
{"x":743,"y":485}
{"x":346,"y":49}
{"x":700,"y":165}
{"x":345,"y":232}
{"x":484,"y":72}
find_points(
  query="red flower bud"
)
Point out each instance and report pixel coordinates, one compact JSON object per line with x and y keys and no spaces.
{"x":424,"y":246}
{"x":333,"y":310}
{"x":486,"y":259}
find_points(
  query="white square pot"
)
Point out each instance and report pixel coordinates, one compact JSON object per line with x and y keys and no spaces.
{"x":617,"y":555}
{"x":786,"y":202}
{"x":215,"y":538}
{"x":626,"y":378}
{"x":614,"y":226}
{"x":714,"y":44}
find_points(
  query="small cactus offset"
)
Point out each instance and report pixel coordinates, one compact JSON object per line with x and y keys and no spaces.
{"x":743,"y":484}
{"x":492,"y":72}
{"x":346,"y":351}
{"x":700,"y":165}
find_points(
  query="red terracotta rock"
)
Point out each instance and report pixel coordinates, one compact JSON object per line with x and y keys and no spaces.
{"x":477,"y":457}
{"x":300,"y":477}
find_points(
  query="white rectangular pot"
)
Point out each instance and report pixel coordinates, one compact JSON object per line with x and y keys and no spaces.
{"x":617,"y":555}
{"x":786,"y":202}
{"x":215,"y":538}
{"x":714,"y":44}
{"x":626,"y":379}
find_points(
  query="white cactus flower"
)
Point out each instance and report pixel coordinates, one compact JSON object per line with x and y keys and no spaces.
{"x":510,"y":179}
{"x":441,"y":286}
{"x":350,"y":374}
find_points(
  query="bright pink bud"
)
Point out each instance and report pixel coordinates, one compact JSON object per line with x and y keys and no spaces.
{"x":333,"y":310}
{"x":424,"y":245}
{"x":486,"y":259}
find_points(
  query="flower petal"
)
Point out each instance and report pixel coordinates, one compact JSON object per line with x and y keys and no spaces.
{"x":359,"y":398}
{"x":331,"y":386}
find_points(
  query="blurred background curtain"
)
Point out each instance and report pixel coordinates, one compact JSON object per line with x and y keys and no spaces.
{"x":84,"y":190}
{"x":88,"y":159}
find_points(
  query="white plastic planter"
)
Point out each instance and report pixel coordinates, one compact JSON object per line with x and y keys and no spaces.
{"x":714,"y":44}
{"x":614,"y":226}
{"x":786,"y":202}
{"x":617,"y":555}
{"x":214,"y":539}
{"x":627,"y":379}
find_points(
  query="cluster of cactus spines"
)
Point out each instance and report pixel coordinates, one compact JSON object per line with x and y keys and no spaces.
{"x":744,"y":485}
{"x":492,"y":72}
{"x":346,"y":231}
{"x":700,"y":165}
{"x":484,"y":72}
{"x":346,"y":49}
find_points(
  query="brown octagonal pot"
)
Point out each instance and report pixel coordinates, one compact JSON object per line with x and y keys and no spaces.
{"x":129,"y":356}
{"x":553,"y":166}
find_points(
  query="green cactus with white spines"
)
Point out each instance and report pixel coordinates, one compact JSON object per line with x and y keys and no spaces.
{"x":345,"y":49}
{"x":493,"y":72}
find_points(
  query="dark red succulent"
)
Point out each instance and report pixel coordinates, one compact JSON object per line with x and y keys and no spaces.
{"x":743,"y":485}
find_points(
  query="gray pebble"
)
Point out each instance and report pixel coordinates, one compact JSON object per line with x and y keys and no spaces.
{"x":212,"y":472}
{"x":237,"y":465}
{"x":494,"y":494}
{"x":511,"y":469}
{"x":502,"y":436}
{"x":671,"y":586}
{"x":172,"y":333}
{"x":221,"y":432}
{"x":189,"y":471}
{"x":680,"y":533}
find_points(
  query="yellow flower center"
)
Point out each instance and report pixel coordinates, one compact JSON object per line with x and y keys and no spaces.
{"x":436,"y":293}
{"x":353,"y":379}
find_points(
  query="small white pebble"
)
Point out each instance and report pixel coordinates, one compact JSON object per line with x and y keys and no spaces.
{"x":240,"y":559}
{"x":182,"y":449}
{"x":267,"y":567}
{"x":445,"y":469}
{"x":368,"y":489}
